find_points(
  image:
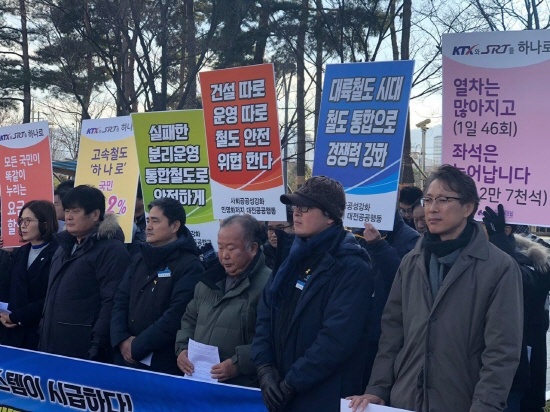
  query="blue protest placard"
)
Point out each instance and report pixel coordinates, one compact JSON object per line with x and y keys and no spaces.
{"x":33,"y":381}
{"x":360,"y":136}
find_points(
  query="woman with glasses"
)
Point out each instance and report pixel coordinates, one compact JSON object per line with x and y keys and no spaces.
{"x":28,"y":277}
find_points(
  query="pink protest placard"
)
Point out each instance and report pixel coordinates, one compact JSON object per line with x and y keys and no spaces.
{"x":495,"y":113}
{"x":25,"y":173}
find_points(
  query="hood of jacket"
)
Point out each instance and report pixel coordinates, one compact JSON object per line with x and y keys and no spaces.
{"x":538,"y":256}
{"x":157,"y":256}
{"x":108,"y":228}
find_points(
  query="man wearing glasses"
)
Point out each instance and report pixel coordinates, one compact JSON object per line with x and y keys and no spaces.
{"x":312,"y":319}
{"x":452,"y":326}
{"x":407,"y":196}
{"x":274,"y":230}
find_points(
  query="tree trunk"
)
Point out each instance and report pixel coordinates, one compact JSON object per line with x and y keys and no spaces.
{"x":161,"y":99}
{"x":407,"y":177}
{"x":300,"y":96}
{"x":263,"y":33}
{"x":26,"y":63}
{"x":186,"y":96}
{"x":393,"y":33}
{"x":318,"y":67}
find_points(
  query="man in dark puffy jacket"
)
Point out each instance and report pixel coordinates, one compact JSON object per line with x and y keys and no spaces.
{"x":155,"y":290}
{"x":85,"y":272}
{"x":311,"y":336}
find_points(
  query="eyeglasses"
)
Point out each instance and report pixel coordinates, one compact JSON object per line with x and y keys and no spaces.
{"x":405,"y":211}
{"x":279,"y":227}
{"x":26,"y":221}
{"x":439,"y":201}
{"x":301,"y":209}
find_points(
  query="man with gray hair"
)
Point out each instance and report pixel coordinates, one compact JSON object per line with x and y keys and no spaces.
{"x":312,"y":319}
{"x":222,"y":312}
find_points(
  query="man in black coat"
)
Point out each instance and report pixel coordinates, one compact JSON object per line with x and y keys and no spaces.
{"x":86,"y":270}
{"x":155,"y":291}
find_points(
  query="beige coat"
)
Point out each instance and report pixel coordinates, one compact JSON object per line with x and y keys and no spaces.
{"x":467,"y":341}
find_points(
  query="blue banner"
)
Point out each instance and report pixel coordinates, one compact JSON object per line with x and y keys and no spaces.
{"x":34,"y":381}
{"x":360,"y":136}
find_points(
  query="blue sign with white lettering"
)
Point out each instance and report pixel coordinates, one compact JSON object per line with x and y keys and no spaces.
{"x":34,"y":381}
{"x":360,"y":136}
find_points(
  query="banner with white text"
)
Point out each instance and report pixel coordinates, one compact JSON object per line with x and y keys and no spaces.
{"x":34,"y":381}
{"x":242,"y":131}
{"x":25,"y":173}
{"x":360,"y":136}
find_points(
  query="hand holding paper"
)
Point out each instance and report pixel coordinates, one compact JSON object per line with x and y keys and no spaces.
{"x":199,"y":360}
{"x":224,"y":371}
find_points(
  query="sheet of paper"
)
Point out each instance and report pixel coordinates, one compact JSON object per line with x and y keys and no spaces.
{"x":203,"y":357}
{"x":147,"y":360}
{"x":4,"y":307}
{"x":344,"y":407}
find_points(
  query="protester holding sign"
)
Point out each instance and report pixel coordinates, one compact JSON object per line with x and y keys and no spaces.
{"x":313,"y":316}
{"x":452,"y":327}
{"x":155,"y":291}
{"x":85,"y":272}
{"x":28,"y":275}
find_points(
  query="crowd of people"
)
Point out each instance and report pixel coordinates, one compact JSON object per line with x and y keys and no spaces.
{"x":442,"y":313}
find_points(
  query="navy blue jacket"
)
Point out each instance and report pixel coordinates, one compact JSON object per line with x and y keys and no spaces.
{"x":149,"y":306}
{"x":386,"y":257}
{"x":323,"y":357}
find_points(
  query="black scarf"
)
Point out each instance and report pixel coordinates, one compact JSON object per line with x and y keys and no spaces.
{"x":433,"y":243}
{"x":440,"y":255}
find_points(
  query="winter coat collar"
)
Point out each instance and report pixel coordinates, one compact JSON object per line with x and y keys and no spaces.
{"x":155,"y":257}
{"x":216,"y":274}
{"x":108,"y":228}
{"x":478,"y":247}
{"x":537,"y":255}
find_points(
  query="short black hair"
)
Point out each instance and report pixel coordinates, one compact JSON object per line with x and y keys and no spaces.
{"x":63,"y":188}
{"x":252,"y":229}
{"x":87,"y":197}
{"x":456,"y":180}
{"x":44,"y":211}
{"x":172,"y":209}
{"x":409,"y":194}
{"x":416,"y":204}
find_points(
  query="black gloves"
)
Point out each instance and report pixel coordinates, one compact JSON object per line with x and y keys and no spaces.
{"x":287,"y":391}
{"x":494,"y":222}
{"x":269,"y":384}
{"x":276,"y":394}
{"x":99,"y":353}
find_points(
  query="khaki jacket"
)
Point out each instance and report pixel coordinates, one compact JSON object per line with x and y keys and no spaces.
{"x":226,"y":320}
{"x":460,"y":351}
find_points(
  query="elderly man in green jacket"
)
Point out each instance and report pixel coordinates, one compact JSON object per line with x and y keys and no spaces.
{"x":222,"y":312}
